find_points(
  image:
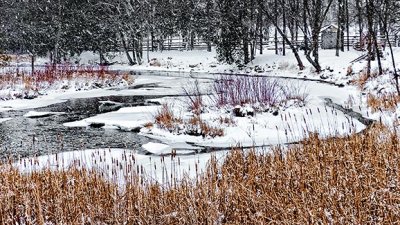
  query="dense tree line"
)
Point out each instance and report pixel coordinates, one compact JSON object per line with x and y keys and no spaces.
{"x":58,"y":28}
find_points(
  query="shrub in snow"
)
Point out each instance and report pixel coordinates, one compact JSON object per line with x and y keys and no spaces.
{"x":4,"y":60}
{"x":195,"y":126}
{"x":383,"y":102}
{"x":258,"y":93}
{"x":240,"y":111}
{"x":16,"y":84}
{"x":240,"y":90}
{"x":198,"y":127}
{"x":166,"y":119}
{"x":349,"y":71}
{"x":226,"y":120}
{"x":194,"y":97}
{"x":155,"y":62}
{"x":295,"y":93}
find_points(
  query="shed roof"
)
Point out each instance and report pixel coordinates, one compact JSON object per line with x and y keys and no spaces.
{"x":330,"y":28}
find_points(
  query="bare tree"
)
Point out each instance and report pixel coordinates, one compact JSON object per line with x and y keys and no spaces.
{"x":284,"y":36}
{"x":316,"y":12}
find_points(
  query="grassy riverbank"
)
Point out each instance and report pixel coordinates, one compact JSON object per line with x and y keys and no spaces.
{"x":345,"y":180}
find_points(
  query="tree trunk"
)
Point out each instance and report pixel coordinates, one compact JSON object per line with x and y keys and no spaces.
{"x":56,"y":56}
{"x":103,"y":60}
{"x":318,"y":18}
{"x":370,"y":33}
{"x":254,"y":29}
{"x":338,"y":36}
{"x":125,"y":46}
{"x":377,"y":53}
{"x":342,"y":24}
{"x":209,"y":47}
{"x":260,"y":26}
{"x":284,"y":28}
{"x":33,"y":64}
{"x":386,"y":32}
{"x":148,"y":50}
{"x":276,"y":32}
{"x":251,"y":50}
{"x":139,"y":48}
{"x":305,"y":4}
{"x":192,"y":36}
{"x":246,"y":50}
{"x":152,"y":41}
{"x":134,"y":49}
{"x":297,"y":21}
{"x":315,"y":48}
{"x":396,"y":76}
{"x":292,"y":47}
{"x":360,"y":26}
{"x":347,"y":25}
{"x":169,"y":42}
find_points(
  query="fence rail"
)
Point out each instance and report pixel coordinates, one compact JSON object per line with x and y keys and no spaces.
{"x":199,"y":44}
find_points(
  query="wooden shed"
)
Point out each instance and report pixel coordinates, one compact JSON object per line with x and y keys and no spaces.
{"x":329,"y":36}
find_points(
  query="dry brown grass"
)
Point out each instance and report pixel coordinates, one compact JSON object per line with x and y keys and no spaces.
{"x":197,"y":127}
{"x":227,"y":120}
{"x":148,"y":125}
{"x":383,"y":102}
{"x":4,"y":60}
{"x":60,"y":77}
{"x":350,"y":180}
{"x":166,"y":119}
{"x":349,"y":71}
{"x":361,"y":80}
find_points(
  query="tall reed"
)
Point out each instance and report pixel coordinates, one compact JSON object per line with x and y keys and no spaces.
{"x":349,"y":180}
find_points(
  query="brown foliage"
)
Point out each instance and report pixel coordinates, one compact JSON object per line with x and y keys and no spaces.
{"x":195,"y":126}
{"x":4,"y":60}
{"x":166,"y":119}
{"x":350,"y":180}
{"x":383,"y":102}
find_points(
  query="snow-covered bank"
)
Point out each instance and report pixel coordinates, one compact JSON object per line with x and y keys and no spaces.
{"x":290,"y":125}
{"x":144,"y":85}
{"x":35,"y":114}
{"x":119,"y":165}
{"x":202,"y":61}
{"x":58,"y":78}
{"x":129,"y":118}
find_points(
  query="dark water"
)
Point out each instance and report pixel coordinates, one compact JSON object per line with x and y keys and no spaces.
{"x":21,"y":137}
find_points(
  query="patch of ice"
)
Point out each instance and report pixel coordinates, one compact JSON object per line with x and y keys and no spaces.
{"x":129,"y":118}
{"x":157,"y":148}
{"x":35,"y":114}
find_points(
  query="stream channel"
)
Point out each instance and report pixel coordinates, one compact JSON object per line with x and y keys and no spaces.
{"x":24,"y":137}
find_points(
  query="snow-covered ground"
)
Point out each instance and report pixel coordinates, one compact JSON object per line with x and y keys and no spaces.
{"x":206,"y":62}
{"x":4,"y":119}
{"x":290,"y":125}
{"x":121,"y":165}
{"x":263,"y":129}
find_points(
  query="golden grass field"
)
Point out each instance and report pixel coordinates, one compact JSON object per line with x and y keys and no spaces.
{"x":349,"y":180}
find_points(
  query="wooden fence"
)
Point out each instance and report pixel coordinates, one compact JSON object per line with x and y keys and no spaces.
{"x":199,"y":44}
